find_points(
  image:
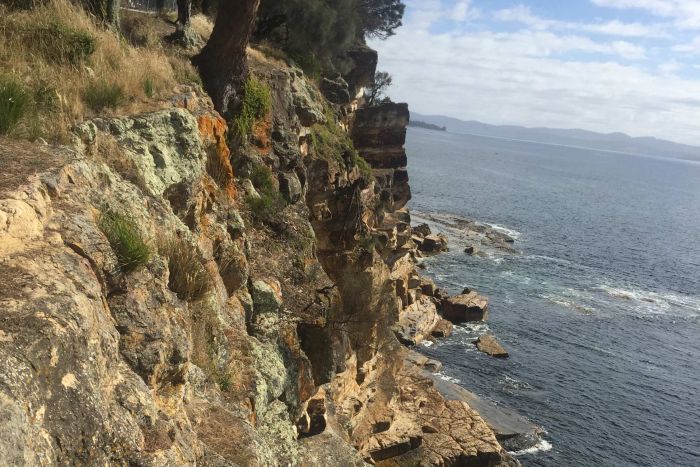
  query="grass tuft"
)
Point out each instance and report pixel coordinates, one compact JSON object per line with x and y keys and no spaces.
{"x":62,"y":44}
{"x":125,"y":239}
{"x":188,"y":278}
{"x":101,"y":95}
{"x":14,"y":101}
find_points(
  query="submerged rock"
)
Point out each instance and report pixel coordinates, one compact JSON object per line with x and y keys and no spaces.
{"x":490,"y":346}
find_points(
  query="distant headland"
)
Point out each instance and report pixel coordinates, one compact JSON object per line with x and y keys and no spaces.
{"x":427,"y":126}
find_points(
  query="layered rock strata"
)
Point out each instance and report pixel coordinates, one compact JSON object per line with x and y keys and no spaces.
{"x":281,"y":352}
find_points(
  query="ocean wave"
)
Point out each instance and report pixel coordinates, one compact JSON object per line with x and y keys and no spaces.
{"x":448,"y":378}
{"x":516,"y":384}
{"x":649,"y":302}
{"x":566,"y":302}
{"x":542,"y":446}
{"x":500,"y":228}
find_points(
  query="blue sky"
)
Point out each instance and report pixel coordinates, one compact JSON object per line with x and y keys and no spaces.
{"x":601,"y":65}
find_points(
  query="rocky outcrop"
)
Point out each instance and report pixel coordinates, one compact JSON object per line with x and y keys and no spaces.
{"x":278,"y":333}
{"x":465,"y":307}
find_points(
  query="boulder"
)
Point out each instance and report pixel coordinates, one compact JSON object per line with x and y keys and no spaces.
{"x":423,"y":230}
{"x":427,"y":286}
{"x":290,"y":187}
{"x":470,"y":250}
{"x":433,"y":244}
{"x":490,"y":346}
{"x":442,"y":329}
{"x":465,"y":307}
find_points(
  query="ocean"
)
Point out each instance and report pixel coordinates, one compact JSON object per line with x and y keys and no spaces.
{"x":601,"y":310}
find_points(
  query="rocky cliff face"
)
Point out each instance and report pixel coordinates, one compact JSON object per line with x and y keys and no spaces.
{"x":236,"y":341}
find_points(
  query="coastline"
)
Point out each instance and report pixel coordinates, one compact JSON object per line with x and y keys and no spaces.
{"x":515,"y":432}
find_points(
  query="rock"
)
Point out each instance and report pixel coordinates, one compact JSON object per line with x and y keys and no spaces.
{"x":267,"y":298}
{"x":422,"y":361}
{"x":423,"y":230}
{"x":470,"y":250}
{"x":427,"y":286}
{"x":442,"y":329}
{"x":290,"y":186}
{"x":465,"y":307}
{"x":336,"y":90}
{"x":489,"y":345}
{"x":416,"y":321}
{"x":433,"y":244}
{"x":249,"y":189}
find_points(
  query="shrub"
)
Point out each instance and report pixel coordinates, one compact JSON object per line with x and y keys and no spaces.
{"x":125,"y":239}
{"x":101,"y":95}
{"x":14,"y":102}
{"x":60,"y":43}
{"x":256,"y":104}
{"x":365,"y":169}
{"x":188,"y":278}
{"x":270,"y":202}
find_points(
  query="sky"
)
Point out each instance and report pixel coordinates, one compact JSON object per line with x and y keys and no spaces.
{"x":601,"y":65}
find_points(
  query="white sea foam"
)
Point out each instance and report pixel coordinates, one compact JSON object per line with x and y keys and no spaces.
{"x":542,"y":446}
{"x":648,"y":302}
{"x":510,"y":232}
{"x":566,"y":302}
{"x":427,"y":343}
{"x":448,"y":378}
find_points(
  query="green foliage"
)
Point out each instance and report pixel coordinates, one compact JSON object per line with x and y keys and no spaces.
{"x":364,"y":167}
{"x":62,"y":44}
{"x":148,"y":87}
{"x":101,"y":94}
{"x":316,"y":33}
{"x":125,"y":239}
{"x":376,"y":92}
{"x":257,"y":102}
{"x":271,"y":202}
{"x":14,"y":102}
{"x":188,"y":278}
{"x":331,"y":142}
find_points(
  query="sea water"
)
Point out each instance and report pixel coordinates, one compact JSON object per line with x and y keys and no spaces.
{"x":600,"y":312}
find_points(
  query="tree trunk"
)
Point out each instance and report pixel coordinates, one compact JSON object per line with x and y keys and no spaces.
{"x":222,"y":63}
{"x":184,"y":14}
{"x":160,"y":6}
{"x":113,"y":13}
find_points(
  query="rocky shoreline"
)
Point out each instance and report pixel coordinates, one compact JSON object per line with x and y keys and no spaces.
{"x":432,"y":313}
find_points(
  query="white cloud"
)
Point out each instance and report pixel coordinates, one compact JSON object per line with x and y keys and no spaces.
{"x":685,"y":13}
{"x":522,"y":14}
{"x":525,"y":78}
{"x":692,"y":47}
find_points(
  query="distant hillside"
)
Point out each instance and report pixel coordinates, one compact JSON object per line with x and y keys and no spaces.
{"x":427,"y":126}
{"x":574,"y":137}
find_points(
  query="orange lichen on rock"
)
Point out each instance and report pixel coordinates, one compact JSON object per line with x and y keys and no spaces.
{"x":213,"y":129}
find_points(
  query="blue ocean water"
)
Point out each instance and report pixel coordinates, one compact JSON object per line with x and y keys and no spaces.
{"x":600,"y":312}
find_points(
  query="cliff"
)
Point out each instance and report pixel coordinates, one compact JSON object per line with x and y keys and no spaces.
{"x":152,"y":315}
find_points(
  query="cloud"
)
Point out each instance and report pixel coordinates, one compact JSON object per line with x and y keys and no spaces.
{"x":684,"y":13}
{"x":537,"y":76}
{"x":692,"y":47}
{"x":522,"y":14}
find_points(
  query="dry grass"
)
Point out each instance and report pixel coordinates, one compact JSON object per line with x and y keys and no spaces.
{"x":188,"y":277}
{"x":59,"y":69}
{"x":203,"y":26}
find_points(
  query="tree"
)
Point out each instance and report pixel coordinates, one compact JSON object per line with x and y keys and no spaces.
{"x":375,"y":93}
{"x":222,"y":62}
{"x":184,"y":14}
{"x":380,"y":18}
{"x":113,"y":13}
